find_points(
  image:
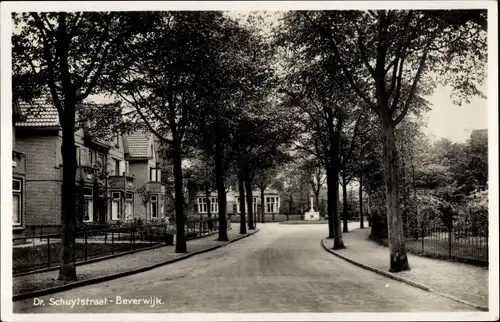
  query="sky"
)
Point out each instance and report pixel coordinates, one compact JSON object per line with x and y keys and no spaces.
{"x":453,"y":122}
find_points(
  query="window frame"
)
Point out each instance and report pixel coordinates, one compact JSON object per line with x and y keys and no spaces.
{"x":202,"y":205}
{"x":19,"y":194}
{"x":88,"y":204}
{"x":154,"y":205}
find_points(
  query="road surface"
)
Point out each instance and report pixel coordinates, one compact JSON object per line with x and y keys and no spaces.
{"x":282,"y":268}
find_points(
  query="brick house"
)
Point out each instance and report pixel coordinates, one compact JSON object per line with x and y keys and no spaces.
{"x":18,"y":177}
{"x":142,"y":156}
{"x":108,"y":173}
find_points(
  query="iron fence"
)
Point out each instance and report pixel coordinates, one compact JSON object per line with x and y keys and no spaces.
{"x":270,"y":217}
{"x":435,"y":239}
{"x":33,"y":252}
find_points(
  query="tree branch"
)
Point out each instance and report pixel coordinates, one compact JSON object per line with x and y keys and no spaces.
{"x":413,"y":87}
{"x":336,"y":51}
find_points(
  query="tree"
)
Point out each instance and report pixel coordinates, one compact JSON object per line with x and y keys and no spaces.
{"x":164,"y":80}
{"x":315,"y":92}
{"x":61,"y":58}
{"x":234,"y":108}
{"x":388,"y":58}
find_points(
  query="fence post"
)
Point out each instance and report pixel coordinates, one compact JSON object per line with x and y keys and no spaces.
{"x":48,"y":248}
{"x":112,"y":242}
{"x":422,"y":234}
{"x":85,"y":234}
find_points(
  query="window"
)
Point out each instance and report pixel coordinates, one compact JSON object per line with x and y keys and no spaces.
{"x":154,"y":174}
{"x":115,"y":205}
{"x":116,"y":168}
{"x":129,"y":203}
{"x":202,"y":205}
{"x":270,"y":204}
{"x":154,"y":206}
{"x":91,"y":156}
{"x":88,"y":214}
{"x":214,"y":205}
{"x":82,"y":155}
{"x":17,"y":188}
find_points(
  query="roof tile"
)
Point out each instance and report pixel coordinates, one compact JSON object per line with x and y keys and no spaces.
{"x":39,"y":116}
{"x":138,"y":144}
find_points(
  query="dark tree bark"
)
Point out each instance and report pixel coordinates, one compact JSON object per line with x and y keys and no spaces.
{"x":249,"y":196}
{"x":331,"y":202}
{"x":334,"y":138}
{"x":180,"y":219}
{"x":241,"y":187}
{"x":67,"y":270}
{"x":221,"y":189}
{"x":398,"y":256}
{"x":262,"y":189}
{"x":345,"y":228}
{"x":369,"y":209}
{"x":361,"y":219}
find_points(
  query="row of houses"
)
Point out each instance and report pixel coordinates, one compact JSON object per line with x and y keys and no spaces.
{"x":116,"y":180}
{"x":109,"y":174}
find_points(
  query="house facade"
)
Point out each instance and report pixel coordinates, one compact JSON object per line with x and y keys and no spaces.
{"x":143,"y":160}
{"x":271,"y":202}
{"x":18,"y":176}
{"x":107,"y":178}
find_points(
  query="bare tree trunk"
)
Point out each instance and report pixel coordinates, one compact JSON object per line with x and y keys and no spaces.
{"x":221,"y":189}
{"x":180,"y":243}
{"x":331,"y":202}
{"x":249,"y":196}
{"x":241,"y":187}
{"x":398,"y":256}
{"x":334,"y":137}
{"x":361,"y":215}
{"x":345,"y":228}
{"x":67,"y":270}
{"x":369,"y":209}
{"x":262,"y":189}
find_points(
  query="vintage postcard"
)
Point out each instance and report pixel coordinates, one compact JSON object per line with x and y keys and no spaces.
{"x":249,"y":161}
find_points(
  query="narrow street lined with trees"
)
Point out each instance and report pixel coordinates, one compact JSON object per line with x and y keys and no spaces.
{"x":318,"y":99}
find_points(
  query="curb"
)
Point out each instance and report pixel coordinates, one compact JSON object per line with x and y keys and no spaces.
{"x":400,"y":279}
{"x":60,"y":288}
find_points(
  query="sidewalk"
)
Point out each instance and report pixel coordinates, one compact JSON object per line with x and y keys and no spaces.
{"x":461,"y":281}
{"x":118,"y":265}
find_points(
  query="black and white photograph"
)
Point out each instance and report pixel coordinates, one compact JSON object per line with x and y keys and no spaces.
{"x":249,"y":161}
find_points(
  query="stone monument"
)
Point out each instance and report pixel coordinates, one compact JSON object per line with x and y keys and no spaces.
{"x":311,"y":214}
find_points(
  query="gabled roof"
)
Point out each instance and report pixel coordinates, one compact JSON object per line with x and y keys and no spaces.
{"x":45,"y":115}
{"x":138,"y":144}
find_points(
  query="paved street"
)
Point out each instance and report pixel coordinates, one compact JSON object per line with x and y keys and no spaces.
{"x":282,"y":268}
